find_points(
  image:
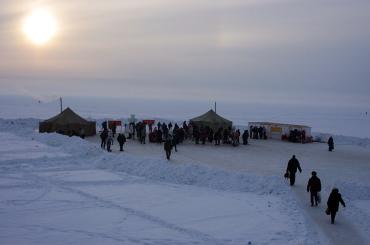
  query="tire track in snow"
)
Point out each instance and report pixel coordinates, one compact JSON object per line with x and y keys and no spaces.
{"x":87,"y":233}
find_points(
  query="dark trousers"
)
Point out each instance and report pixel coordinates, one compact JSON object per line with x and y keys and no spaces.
{"x":142,"y":140}
{"x":332,"y":215}
{"x":121,"y":147}
{"x":168,"y":154}
{"x":102,"y":145}
{"x":314,"y":198}
{"x":292,"y":178}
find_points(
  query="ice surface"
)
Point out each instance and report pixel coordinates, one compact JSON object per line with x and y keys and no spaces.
{"x":64,"y":190}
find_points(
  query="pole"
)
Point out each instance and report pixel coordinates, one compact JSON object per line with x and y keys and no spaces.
{"x":215,"y":107}
{"x":61,"y":104}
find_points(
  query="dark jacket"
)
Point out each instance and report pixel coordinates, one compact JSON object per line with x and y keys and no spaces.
{"x":314,"y":184}
{"x":104,"y":135}
{"x":293,"y":165}
{"x":333,"y":201}
{"x":168,"y":145}
{"x":331,"y":142}
{"x":121,"y":139}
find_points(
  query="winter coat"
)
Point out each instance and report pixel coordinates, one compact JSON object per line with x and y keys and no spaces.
{"x":245,"y":135}
{"x":110,"y":140}
{"x":314,"y":184}
{"x":121,"y":139}
{"x":333,"y":201}
{"x":104,"y":135}
{"x":293,"y":165}
{"x":168,"y":145}
{"x":143,"y":130}
{"x":331,"y":142}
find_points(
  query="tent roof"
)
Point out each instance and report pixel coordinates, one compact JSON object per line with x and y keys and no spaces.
{"x":67,"y":116}
{"x":211,"y":117}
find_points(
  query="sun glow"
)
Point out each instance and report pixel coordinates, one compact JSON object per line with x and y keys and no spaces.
{"x":40,"y":26}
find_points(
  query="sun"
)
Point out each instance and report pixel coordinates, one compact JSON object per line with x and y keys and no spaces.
{"x":40,"y":26}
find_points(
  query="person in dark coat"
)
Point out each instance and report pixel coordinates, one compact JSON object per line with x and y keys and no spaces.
{"x":245,"y":137}
{"x":217,"y":136}
{"x":292,"y":167}
{"x":159,"y":136}
{"x":314,"y":187}
{"x":196,"y":134}
{"x":175,"y":138}
{"x":114,"y":129}
{"x":121,"y":140}
{"x":333,"y":203}
{"x":168,"y":147}
{"x":103,"y":137}
{"x":331,"y":143}
{"x":109,"y":142}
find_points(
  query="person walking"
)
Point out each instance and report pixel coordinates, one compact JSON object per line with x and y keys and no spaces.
{"x":109,"y":142}
{"x":314,"y":187}
{"x":175,"y":138}
{"x":331,"y":143}
{"x":168,"y":147}
{"x":143,"y":133}
{"x":245,"y":137}
{"x":333,"y":203}
{"x":121,"y":140}
{"x":291,"y":169}
{"x":103,"y":137}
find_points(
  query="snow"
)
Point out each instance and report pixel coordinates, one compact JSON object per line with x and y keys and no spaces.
{"x":64,"y":190}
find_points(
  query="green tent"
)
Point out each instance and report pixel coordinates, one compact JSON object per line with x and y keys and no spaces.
{"x":212,"y":120}
{"x":68,"y":123}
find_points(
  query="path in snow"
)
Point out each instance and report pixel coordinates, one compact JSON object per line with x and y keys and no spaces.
{"x":346,"y":163}
{"x":343,"y":232}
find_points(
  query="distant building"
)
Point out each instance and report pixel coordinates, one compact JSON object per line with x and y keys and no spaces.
{"x":282,"y":130}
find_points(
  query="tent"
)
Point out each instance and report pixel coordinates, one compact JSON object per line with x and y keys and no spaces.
{"x":68,"y":123}
{"x":212,"y":120}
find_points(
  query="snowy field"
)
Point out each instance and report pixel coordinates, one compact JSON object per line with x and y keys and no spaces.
{"x":61,"y":190}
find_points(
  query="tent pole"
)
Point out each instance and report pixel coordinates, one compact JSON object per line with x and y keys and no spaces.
{"x":61,"y":104}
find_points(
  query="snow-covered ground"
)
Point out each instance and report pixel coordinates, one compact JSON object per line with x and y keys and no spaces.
{"x":61,"y":190}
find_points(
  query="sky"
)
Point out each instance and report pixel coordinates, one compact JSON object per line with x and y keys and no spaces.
{"x":270,"y":51}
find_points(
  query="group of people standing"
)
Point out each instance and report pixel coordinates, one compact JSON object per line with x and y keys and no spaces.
{"x":314,"y":187}
{"x":107,"y":138}
{"x":258,"y":132}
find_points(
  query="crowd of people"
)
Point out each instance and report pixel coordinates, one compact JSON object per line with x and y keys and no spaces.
{"x":172,"y":135}
{"x":314,"y":187}
{"x":297,"y":136}
{"x":186,"y":131}
{"x":198,"y":134}
{"x":257,"y":132}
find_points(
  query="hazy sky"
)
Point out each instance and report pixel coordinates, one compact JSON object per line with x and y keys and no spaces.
{"x":291,"y":51}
